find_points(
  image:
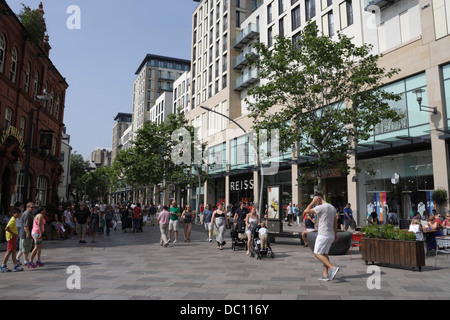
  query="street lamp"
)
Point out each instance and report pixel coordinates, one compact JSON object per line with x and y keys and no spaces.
{"x":26,"y":182}
{"x":418,"y":93}
{"x":260,"y":204}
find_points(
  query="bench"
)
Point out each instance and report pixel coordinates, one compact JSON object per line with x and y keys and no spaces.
{"x":292,"y":235}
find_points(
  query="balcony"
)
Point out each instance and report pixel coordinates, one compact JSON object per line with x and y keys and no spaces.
{"x":246,"y":80}
{"x":243,"y":58}
{"x":370,"y":4}
{"x":246,"y":36}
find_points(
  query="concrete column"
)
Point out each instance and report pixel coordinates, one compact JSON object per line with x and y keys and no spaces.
{"x":256,"y":186}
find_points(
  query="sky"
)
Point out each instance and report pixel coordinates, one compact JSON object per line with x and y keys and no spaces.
{"x":100,"y":55}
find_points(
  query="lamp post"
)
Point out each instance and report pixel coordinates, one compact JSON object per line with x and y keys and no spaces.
{"x":260,"y":204}
{"x":26,"y":182}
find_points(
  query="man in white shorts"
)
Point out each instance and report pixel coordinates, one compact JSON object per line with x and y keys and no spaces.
{"x":326,"y":234}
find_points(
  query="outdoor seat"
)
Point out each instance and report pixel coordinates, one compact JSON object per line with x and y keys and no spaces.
{"x":356,"y":241}
{"x":442,"y":246}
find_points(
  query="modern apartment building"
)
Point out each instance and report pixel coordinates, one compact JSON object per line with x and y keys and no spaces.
{"x":123,"y":121}
{"x":182,"y":93}
{"x":162,"y":108}
{"x":155,"y":76}
{"x":402,"y":163}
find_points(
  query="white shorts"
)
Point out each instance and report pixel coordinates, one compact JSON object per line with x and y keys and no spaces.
{"x":208,"y":226}
{"x":173,"y":225}
{"x":323,"y":244}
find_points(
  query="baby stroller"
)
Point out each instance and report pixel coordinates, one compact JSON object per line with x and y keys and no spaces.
{"x":257,"y":249}
{"x":238,"y":236}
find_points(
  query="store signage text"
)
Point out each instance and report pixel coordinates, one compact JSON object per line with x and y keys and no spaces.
{"x":241,"y":185}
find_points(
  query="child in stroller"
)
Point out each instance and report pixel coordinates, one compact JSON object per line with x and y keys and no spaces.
{"x":238,"y":236}
{"x":260,"y":243}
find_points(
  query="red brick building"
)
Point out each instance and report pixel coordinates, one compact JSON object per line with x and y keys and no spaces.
{"x":27,"y":122}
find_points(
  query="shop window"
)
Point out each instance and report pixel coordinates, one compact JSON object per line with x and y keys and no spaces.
{"x":396,"y":186}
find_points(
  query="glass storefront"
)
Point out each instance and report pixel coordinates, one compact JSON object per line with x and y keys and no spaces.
{"x":241,"y":189}
{"x":395,"y":186}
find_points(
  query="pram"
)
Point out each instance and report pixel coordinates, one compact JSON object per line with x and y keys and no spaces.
{"x":238,"y":236}
{"x":257,"y":250}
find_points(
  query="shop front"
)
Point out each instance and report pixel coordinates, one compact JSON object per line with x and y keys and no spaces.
{"x":241,"y":189}
{"x":395,"y":187}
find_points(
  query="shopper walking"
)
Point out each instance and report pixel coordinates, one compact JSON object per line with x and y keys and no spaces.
{"x":109,"y":216}
{"x":163,"y":222}
{"x":26,"y":241}
{"x":173,"y":224}
{"x":12,"y":233}
{"x":37,"y":233}
{"x":206,"y":221}
{"x":81,"y":218}
{"x":220,"y":222}
{"x":95,"y":221}
{"x":327,"y":234}
{"x":188,"y":216}
{"x":251,"y":222}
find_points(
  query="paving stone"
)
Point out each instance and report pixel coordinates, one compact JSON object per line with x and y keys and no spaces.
{"x":133,"y":266}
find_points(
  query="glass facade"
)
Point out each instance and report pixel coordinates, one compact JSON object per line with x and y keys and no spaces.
{"x":446,"y":80}
{"x":414,"y":124}
{"x":396,"y":186}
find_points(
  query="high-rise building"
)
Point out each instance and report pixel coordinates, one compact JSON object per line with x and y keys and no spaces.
{"x":155,"y":76}
{"x":402,"y":163}
{"x":123,"y":121}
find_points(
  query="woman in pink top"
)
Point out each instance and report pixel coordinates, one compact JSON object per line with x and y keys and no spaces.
{"x":36,"y":233}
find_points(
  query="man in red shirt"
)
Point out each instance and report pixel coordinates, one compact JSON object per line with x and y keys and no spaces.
{"x":137,"y":212}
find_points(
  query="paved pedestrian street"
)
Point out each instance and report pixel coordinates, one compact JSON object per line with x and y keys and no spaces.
{"x":130,"y":266}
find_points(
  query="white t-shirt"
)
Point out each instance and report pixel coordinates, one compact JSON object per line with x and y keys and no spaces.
{"x":326,"y":214}
{"x":263,"y":231}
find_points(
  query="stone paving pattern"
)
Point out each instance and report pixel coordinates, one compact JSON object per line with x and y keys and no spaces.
{"x":134,"y":266}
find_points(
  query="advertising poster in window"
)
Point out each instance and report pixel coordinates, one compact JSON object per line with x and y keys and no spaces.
{"x":430,"y":203}
{"x":273,"y":205}
{"x":379,"y":205}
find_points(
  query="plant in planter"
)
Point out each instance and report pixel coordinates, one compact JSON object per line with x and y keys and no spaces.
{"x":388,"y":245}
{"x":440,"y":197}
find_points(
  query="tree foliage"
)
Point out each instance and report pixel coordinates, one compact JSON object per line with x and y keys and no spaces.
{"x":328,"y":96}
{"x":150,"y":161}
{"x":34,"y":23}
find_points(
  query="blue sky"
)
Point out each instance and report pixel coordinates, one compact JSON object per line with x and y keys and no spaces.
{"x":100,"y":59}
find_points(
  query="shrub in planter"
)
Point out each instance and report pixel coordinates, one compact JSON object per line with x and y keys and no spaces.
{"x":386,"y":244}
{"x":440,"y":197}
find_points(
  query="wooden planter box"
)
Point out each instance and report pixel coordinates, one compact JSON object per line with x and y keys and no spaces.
{"x":394,"y":252}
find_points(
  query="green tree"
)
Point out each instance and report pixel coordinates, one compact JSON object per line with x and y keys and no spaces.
{"x":78,"y":168}
{"x":328,"y":92}
{"x":150,"y":161}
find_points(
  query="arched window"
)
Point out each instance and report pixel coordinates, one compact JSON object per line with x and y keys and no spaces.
{"x":26,"y":86}
{"x":50,"y":104}
{"x":14,"y":59}
{"x":57,"y":108}
{"x":35,"y":85}
{"x":2,"y":52}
